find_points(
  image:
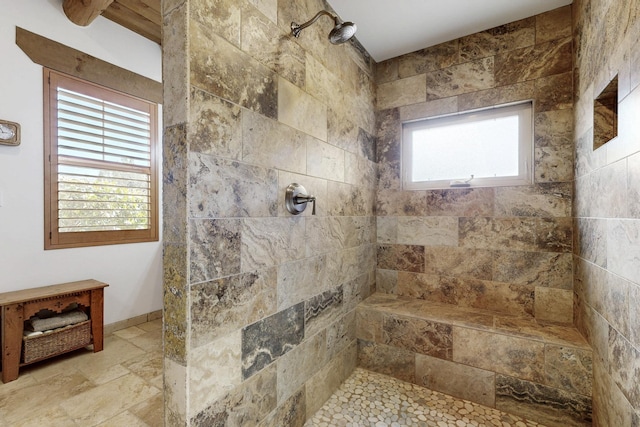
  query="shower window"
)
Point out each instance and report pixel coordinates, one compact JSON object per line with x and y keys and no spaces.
{"x":489,"y":147}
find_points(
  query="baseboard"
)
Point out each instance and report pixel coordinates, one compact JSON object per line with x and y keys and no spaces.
{"x":134,"y":321}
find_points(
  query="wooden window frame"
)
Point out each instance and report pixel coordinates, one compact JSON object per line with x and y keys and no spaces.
{"x":53,"y":239}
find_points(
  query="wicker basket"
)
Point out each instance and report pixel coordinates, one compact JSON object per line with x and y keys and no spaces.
{"x":60,"y":341}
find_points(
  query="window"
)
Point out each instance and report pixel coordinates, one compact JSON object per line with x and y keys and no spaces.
{"x":100,"y":165}
{"x":494,"y":145}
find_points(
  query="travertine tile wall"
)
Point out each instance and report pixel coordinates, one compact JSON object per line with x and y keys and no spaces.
{"x":259,"y":304}
{"x":607,"y":223}
{"x":506,"y":248}
{"x":501,"y":361}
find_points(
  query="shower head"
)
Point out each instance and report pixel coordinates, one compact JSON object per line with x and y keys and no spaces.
{"x":342,"y":31}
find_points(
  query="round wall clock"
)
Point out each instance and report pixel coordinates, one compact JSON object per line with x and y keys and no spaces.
{"x":9,"y":133}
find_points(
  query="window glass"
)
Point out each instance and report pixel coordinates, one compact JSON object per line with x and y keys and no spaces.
{"x":494,"y":146}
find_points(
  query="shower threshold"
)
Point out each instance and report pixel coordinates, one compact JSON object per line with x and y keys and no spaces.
{"x":370,"y":399}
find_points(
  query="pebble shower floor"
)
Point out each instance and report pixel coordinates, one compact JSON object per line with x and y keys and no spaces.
{"x":374,"y":400}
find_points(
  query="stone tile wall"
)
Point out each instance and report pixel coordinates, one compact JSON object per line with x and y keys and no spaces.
{"x":249,"y":110}
{"x":501,"y":361}
{"x":505,"y":248}
{"x":259,"y":304}
{"x":607,"y":221}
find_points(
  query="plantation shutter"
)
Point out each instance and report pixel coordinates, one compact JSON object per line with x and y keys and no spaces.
{"x":102,"y":165}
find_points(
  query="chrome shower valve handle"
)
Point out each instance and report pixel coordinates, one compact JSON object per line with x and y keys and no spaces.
{"x":296,"y":199}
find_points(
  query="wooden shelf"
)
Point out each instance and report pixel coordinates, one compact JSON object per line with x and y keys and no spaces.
{"x":18,"y":306}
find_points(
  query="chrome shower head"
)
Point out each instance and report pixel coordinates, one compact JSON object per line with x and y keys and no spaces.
{"x":342,"y":31}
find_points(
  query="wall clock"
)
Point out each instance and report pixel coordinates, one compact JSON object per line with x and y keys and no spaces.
{"x":9,"y":133}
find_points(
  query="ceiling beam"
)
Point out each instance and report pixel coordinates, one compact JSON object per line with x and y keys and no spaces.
{"x":121,"y":14}
{"x":83,"y":12}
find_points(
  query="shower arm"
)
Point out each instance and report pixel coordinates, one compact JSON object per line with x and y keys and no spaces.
{"x":296,"y":28}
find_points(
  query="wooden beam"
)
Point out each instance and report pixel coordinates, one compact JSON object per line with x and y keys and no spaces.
{"x":83,"y":12}
{"x":143,"y":8}
{"x":67,"y":60}
{"x":137,"y":23}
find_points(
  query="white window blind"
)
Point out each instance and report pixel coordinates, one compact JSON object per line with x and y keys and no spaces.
{"x":104,"y":158}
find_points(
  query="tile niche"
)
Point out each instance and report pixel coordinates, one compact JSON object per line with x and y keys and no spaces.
{"x":605,"y":115}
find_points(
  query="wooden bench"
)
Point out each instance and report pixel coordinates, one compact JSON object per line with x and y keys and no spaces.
{"x":539,"y":371}
{"x":19,"y":306}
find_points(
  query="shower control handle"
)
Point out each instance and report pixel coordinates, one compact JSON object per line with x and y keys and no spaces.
{"x":296,"y":199}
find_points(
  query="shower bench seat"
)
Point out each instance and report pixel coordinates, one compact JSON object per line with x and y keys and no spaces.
{"x":518,"y":365}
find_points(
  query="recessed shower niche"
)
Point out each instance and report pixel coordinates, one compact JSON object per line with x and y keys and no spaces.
{"x":605,"y":114}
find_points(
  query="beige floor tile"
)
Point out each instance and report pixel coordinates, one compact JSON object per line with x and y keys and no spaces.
{"x":151,"y":411}
{"x":24,"y":380}
{"x":47,"y":416}
{"x":129,"y":333}
{"x":102,"y":376}
{"x":148,"y":366}
{"x":21,"y":403}
{"x":107,"y":400}
{"x":127,"y":419}
{"x":116,"y":352}
{"x":154,"y":325}
{"x":149,"y":341}
{"x":83,"y":388}
{"x":46,"y":369}
{"x":158,"y":382}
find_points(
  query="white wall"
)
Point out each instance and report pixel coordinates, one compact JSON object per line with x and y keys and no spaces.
{"x":133,"y":271}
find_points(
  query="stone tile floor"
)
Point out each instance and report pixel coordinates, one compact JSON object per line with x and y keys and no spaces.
{"x":119,"y":386}
{"x":370,"y":399}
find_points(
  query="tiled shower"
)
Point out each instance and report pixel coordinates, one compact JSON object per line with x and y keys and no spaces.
{"x":260,"y":305}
